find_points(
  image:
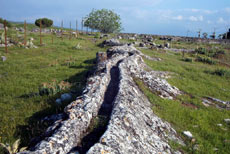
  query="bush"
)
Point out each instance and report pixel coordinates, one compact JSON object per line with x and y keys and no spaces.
{"x":45,"y":22}
{"x":97,"y":35}
{"x":53,"y":87}
{"x":205,"y":60}
{"x":217,"y":53}
{"x":8,"y":24}
{"x":201,"y":51}
{"x":210,"y":53}
{"x":187,"y":59}
{"x":221,"y":72}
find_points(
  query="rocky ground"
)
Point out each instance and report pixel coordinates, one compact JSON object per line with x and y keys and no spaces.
{"x":132,"y":127}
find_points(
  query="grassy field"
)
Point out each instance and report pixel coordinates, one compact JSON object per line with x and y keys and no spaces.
{"x":186,"y":112}
{"x":25,"y":70}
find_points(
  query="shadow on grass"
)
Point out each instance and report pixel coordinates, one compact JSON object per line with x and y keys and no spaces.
{"x":36,"y":127}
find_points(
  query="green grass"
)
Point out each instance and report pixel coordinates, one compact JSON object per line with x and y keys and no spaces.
{"x":25,"y":70}
{"x":23,"y":73}
{"x":192,"y":79}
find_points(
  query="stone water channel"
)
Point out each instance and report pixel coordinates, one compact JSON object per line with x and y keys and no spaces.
{"x":130,"y":126}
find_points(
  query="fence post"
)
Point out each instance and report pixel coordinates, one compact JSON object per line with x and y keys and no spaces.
{"x":62,"y":29}
{"x":82,"y":25}
{"x":70,"y":31}
{"x":76,"y":29}
{"x":25,"y":33}
{"x":5,"y":36}
{"x":52,"y":37}
{"x":40,"y":32}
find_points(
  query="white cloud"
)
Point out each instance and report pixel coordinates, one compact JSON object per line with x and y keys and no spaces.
{"x":203,"y":11}
{"x":193,"y":18}
{"x":209,"y":11}
{"x":194,"y":10}
{"x":141,"y":14}
{"x":221,"y":20}
{"x":179,"y":17}
{"x":227,"y":9}
{"x":128,"y":3}
{"x":201,"y":18}
{"x":209,"y":22}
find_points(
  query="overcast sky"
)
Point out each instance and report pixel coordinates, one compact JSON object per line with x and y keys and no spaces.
{"x":168,"y":17}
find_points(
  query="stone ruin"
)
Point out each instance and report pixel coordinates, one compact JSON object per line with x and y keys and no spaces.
{"x":110,"y":42}
{"x":112,"y":92}
{"x":29,"y":44}
{"x":146,"y":37}
{"x":1,"y":26}
{"x":2,"y":40}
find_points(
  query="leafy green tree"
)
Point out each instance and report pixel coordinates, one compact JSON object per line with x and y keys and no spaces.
{"x":44,"y":21}
{"x":105,"y":21}
{"x":8,"y":24}
{"x":205,"y":35}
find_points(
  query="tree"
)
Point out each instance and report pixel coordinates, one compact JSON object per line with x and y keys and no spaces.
{"x":105,"y":21}
{"x":45,"y":22}
{"x":205,"y":35}
{"x":213,"y":36}
{"x":8,"y":24}
{"x":220,"y":36}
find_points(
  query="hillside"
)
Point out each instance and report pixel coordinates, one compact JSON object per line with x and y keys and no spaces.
{"x":182,"y":84}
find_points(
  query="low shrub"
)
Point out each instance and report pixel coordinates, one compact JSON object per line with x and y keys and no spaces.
{"x":218,"y":53}
{"x":201,"y":51}
{"x":187,"y":59}
{"x":221,"y":72}
{"x":210,"y":53}
{"x":97,"y":35}
{"x":205,"y":60}
{"x":53,"y":87}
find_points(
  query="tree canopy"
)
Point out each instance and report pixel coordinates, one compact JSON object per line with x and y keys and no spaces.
{"x":205,"y":35}
{"x":44,"y":21}
{"x":105,"y":21}
{"x":8,"y":24}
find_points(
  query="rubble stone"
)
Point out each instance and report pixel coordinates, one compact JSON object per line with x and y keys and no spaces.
{"x":133,"y":127}
{"x":188,"y":134}
{"x":111,"y":42}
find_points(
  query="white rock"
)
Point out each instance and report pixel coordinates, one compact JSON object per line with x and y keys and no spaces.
{"x":227,"y":121}
{"x":188,"y":134}
{"x":119,"y":37}
{"x":58,"y":101}
{"x":3,"y":58}
{"x":215,"y":149}
{"x":66,"y":97}
{"x":220,"y":125}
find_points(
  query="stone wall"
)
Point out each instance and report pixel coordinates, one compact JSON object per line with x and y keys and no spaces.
{"x":133,"y":127}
